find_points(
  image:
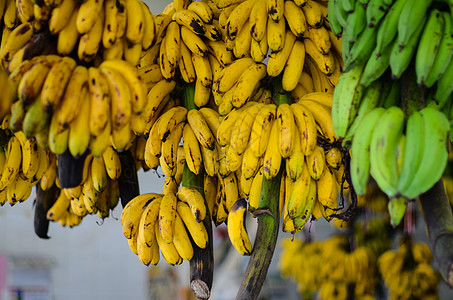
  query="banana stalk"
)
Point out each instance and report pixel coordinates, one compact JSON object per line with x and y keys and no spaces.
{"x":268,"y":223}
{"x":412,"y":96}
{"x":128,"y":181}
{"x":44,"y":201}
{"x":202,"y":262}
{"x":439,"y":223}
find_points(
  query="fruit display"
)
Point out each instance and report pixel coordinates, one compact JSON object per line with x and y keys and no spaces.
{"x":284,"y":111}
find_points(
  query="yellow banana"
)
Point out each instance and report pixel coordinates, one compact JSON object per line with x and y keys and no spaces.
{"x":192,"y":150}
{"x":259,"y":49}
{"x":278,"y":59}
{"x":231,"y":73}
{"x":261,"y":129}
{"x":10,"y":18}
{"x":99,"y":101}
{"x":68,"y":35}
{"x":132,"y":52}
{"x":48,"y":178}
{"x":90,"y":41}
{"x":155,"y":97}
{"x":112,"y":163}
{"x":327,"y":194}
{"x":55,"y":83}
{"x":233,"y":159}
{"x":135,"y":21}
{"x":59,"y":208}
{"x":230,"y":187}
{"x":12,"y":164}
{"x":295,"y":17}
{"x":250,"y":163}
{"x":276,"y":32}
{"x":196,"y":229}
{"x":255,"y":190}
{"x":169,"y":150}
{"x":210,"y":191}
{"x":241,"y":136}
{"x":181,"y":239}
{"x":189,"y":20}
{"x":296,"y":160}
{"x":286,"y":127}
{"x":322,"y":115}
{"x":236,"y":228}
{"x":210,"y":160}
{"x":294,"y":66}
{"x":313,"y":13}
{"x":298,"y":193}
{"x":146,"y":228}
{"x":167,"y":217}
{"x":202,"y":94}
{"x":60,"y":15}
{"x":258,"y":20}
{"x":169,"y":251}
{"x":306,"y":126}
{"x":316,"y":162}
{"x":219,"y":50}
{"x":194,"y":200}
{"x":247,"y":83}
{"x":186,"y":66}
{"x":226,"y":126}
{"x":109,"y":37}
{"x":120,"y":94}
{"x":242,"y":41}
{"x":133,"y":211}
{"x":201,"y":129}
{"x":275,"y":9}
{"x":99,"y":143}
{"x":131,"y":76}
{"x":150,"y":27}
{"x":79,"y":133}
{"x":272,"y":156}
{"x":202,"y":70}
{"x":203,"y":10}
{"x":325,"y":62}
{"x":99,"y":174}
{"x":87,"y":17}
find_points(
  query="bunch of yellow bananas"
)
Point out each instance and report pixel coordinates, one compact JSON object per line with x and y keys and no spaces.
{"x":407,"y":271}
{"x":93,"y":30}
{"x":69,"y":106}
{"x":340,"y":273}
{"x":152,"y":221}
{"x":22,"y":163}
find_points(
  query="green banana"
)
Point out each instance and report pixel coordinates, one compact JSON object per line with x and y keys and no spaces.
{"x":348,"y":6}
{"x":383,"y":149}
{"x":376,"y":65}
{"x":444,"y":53}
{"x":389,"y":26}
{"x":415,"y":134}
{"x":370,"y":100}
{"x":400,"y":58}
{"x":412,"y":16}
{"x":335,"y":25}
{"x":35,"y":119}
{"x":356,"y":20}
{"x":360,"y":160}
{"x":434,"y":153}
{"x":429,"y":45}
{"x":392,"y":98}
{"x":444,"y":85}
{"x":340,"y":14}
{"x":362,"y":48}
{"x":346,"y":100}
{"x":375,"y":11}
{"x":397,"y":208}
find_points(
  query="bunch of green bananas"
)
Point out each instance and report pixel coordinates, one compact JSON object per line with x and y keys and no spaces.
{"x":340,"y":273}
{"x":165,"y":221}
{"x":407,"y":271}
{"x":398,"y":129}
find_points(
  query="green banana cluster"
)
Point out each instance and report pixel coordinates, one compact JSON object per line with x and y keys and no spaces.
{"x":392,"y":105}
{"x":404,"y":158}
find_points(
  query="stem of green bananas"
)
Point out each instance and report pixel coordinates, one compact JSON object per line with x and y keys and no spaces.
{"x":412,"y":96}
{"x":268,"y":223}
{"x":202,"y":262}
{"x":439,"y":223}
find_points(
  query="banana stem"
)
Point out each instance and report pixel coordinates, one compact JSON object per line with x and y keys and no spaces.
{"x":128,"y":180}
{"x":265,"y":241}
{"x":188,"y":94}
{"x":202,"y":262}
{"x":280,"y":96}
{"x":439,"y":223}
{"x":412,"y":96}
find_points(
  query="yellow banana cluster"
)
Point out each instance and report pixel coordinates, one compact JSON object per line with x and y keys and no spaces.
{"x":407,"y":271}
{"x":340,"y":274}
{"x":52,"y":90}
{"x":22,"y":163}
{"x":294,"y":36}
{"x":165,"y":221}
